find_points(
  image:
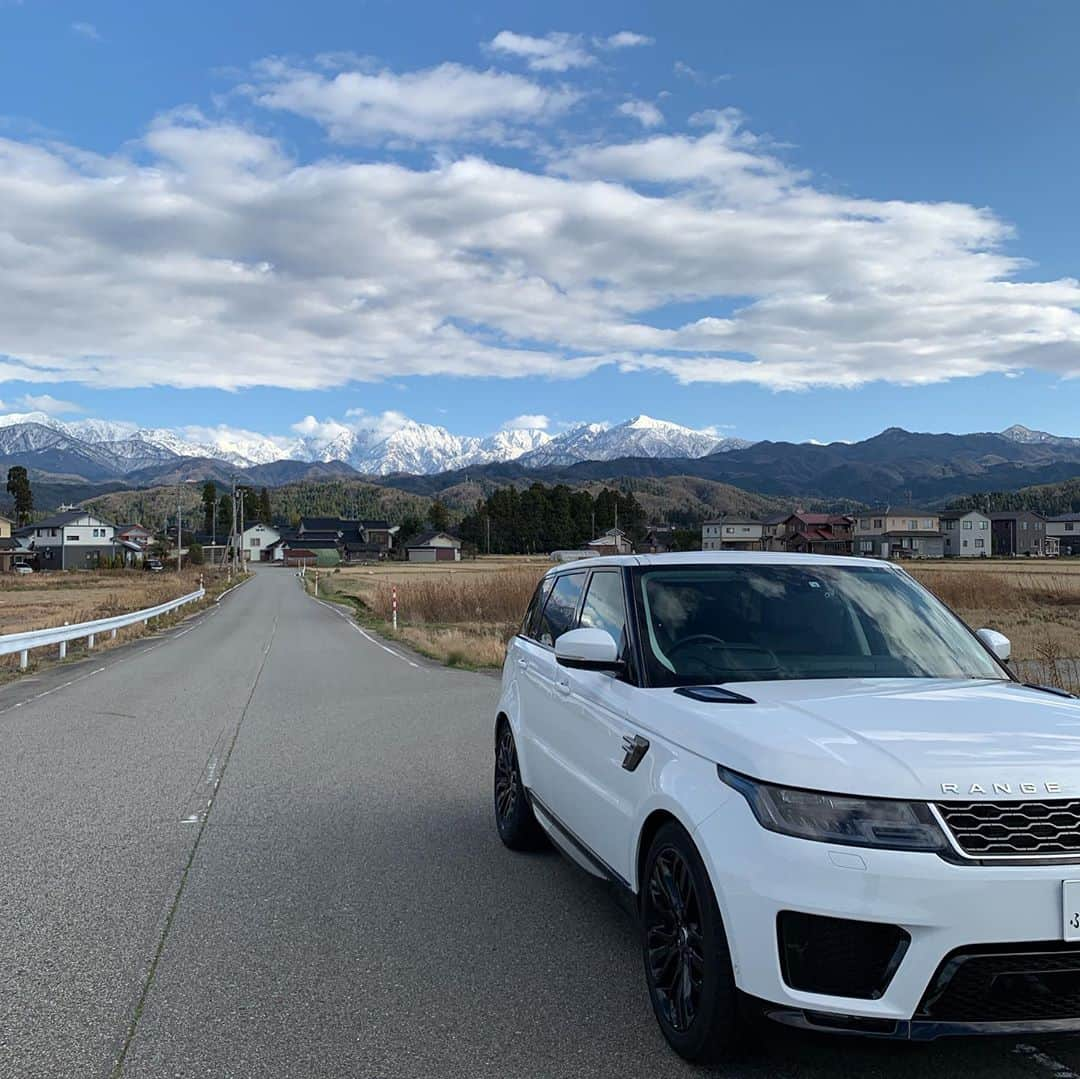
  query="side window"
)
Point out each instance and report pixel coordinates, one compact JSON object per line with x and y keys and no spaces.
{"x":560,"y":608}
{"x":604,"y":606}
{"x":532,"y":615}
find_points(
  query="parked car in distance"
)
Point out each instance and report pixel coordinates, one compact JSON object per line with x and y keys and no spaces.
{"x":22,"y":568}
{"x":830,"y":800}
{"x":154,"y":565}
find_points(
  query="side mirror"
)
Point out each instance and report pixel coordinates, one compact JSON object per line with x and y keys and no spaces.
{"x":588,"y":650}
{"x":998,"y":643}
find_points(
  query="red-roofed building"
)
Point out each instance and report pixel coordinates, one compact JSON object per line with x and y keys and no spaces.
{"x":816,"y":533}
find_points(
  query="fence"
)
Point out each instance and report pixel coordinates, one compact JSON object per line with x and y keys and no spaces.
{"x":23,"y":643}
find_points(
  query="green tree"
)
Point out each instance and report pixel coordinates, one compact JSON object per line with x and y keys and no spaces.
{"x":224,"y":517}
{"x":209,"y":501}
{"x":265,"y":509}
{"x":18,"y":486}
{"x":439,"y":516}
{"x":195,"y":554}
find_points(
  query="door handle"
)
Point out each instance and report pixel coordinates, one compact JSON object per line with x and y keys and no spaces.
{"x":563,"y":687}
{"x":523,"y":663}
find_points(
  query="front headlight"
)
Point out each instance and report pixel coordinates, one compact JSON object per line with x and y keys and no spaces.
{"x":839,"y":818}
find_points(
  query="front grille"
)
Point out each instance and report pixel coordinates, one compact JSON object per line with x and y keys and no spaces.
{"x":981,"y":985}
{"x":838,"y":956}
{"x":1003,"y":829}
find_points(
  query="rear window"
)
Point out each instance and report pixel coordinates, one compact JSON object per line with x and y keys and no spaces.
{"x":561,"y":606}
{"x":530,"y":622}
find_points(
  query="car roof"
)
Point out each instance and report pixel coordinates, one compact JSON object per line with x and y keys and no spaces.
{"x":717,"y":558}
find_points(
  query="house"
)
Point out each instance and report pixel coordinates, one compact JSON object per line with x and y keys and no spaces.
{"x":899,"y":532}
{"x":71,"y":539}
{"x":1019,"y":534}
{"x":13,"y":552}
{"x":613,"y":541}
{"x":1065,"y":528}
{"x":5,"y":528}
{"x":732,"y":534}
{"x":659,"y":539}
{"x":814,"y":533}
{"x":255,"y":541}
{"x":967,"y":535}
{"x":134,"y":533}
{"x":769,"y":528}
{"x":355,"y":540}
{"x":434,"y":547}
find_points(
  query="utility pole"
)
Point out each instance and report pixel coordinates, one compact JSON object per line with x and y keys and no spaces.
{"x":179,"y":527}
{"x":242,"y":493}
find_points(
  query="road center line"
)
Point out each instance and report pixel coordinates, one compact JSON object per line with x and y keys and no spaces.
{"x":170,"y":917}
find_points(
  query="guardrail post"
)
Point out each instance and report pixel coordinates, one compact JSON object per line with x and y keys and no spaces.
{"x":24,"y":659}
{"x":63,"y":645}
{"x":114,"y":634}
{"x":90,"y":641}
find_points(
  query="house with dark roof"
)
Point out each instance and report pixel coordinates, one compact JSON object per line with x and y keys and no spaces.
{"x":71,"y":539}
{"x":1065,"y":528}
{"x":434,"y":547}
{"x":1020,"y":534}
{"x":355,"y":540}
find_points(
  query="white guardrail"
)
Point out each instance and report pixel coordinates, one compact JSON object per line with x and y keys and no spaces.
{"x":42,"y":638}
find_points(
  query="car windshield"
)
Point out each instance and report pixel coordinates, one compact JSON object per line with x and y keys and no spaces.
{"x":746,"y":622}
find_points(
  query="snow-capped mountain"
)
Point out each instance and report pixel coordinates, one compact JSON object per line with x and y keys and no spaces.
{"x":1019,"y":433}
{"x":382,"y":446}
{"x":641,"y":436}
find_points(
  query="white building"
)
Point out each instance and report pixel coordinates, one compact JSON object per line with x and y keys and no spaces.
{"x":255,"y":540}
{"x":967,"y":535}
{"x":732,"y":534}
{"x":434,"y":547}
{"x":71,"y":539}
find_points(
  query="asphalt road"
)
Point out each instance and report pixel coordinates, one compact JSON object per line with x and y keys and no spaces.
{"x":261,"y":845}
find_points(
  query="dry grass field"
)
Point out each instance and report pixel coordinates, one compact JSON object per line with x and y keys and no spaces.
{"x":464,"y":613}
{"x":44,"y":600}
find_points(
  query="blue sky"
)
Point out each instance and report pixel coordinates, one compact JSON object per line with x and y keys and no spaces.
{"x":199,"y":234}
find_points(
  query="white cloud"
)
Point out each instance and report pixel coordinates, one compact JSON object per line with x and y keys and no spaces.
{"x":625,"y":39}
{"x":645,"y":112}
{"x":46,"y":403}
{"x":528,"y":421}
{"x":441,"y":103}
{"x":87,"y":30}
{"x":683,"y":69}
{"x":210,"y":257}
{"x":552,"y":52}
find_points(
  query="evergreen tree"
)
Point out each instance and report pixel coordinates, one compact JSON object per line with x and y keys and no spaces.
{"x":265,"y":510}
{"x":224,"y":517}
{"x":18,"y":486}
{"x":439,"y":516}
{"x":209,"y":500}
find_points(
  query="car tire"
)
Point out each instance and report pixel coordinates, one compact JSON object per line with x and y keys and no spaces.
{"x":517,"y":825}
{"x":687,"y":961}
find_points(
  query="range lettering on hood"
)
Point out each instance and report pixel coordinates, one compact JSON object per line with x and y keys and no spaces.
{"x":1001,"y":788}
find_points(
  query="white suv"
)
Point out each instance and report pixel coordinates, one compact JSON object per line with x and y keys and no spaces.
{"x":827,"y":795}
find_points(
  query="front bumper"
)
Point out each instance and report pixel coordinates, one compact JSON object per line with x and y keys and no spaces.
{"x":946,"y":909}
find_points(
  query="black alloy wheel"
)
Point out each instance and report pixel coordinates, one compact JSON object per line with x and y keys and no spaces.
{"x":687,"y":961}
{"x":518,"y":827}
{"x":673,"y":939}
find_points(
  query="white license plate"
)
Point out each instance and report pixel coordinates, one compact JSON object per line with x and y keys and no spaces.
{"x":1070,"y":909}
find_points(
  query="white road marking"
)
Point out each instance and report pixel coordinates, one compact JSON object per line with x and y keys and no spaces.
{"x":1044,"y":1060}
{"x":367,"y":636}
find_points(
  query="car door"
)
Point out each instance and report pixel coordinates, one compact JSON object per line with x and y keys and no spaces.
{"x":542,"y":698}
{"x":600,"y":779}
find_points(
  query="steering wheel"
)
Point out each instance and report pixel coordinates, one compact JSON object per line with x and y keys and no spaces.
{"x":692,"y":639}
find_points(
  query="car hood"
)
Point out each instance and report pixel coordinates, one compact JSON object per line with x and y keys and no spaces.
{"x":901,"y":738}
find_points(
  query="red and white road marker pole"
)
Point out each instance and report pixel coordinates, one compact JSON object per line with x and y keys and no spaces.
{"x":393,"y":595}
